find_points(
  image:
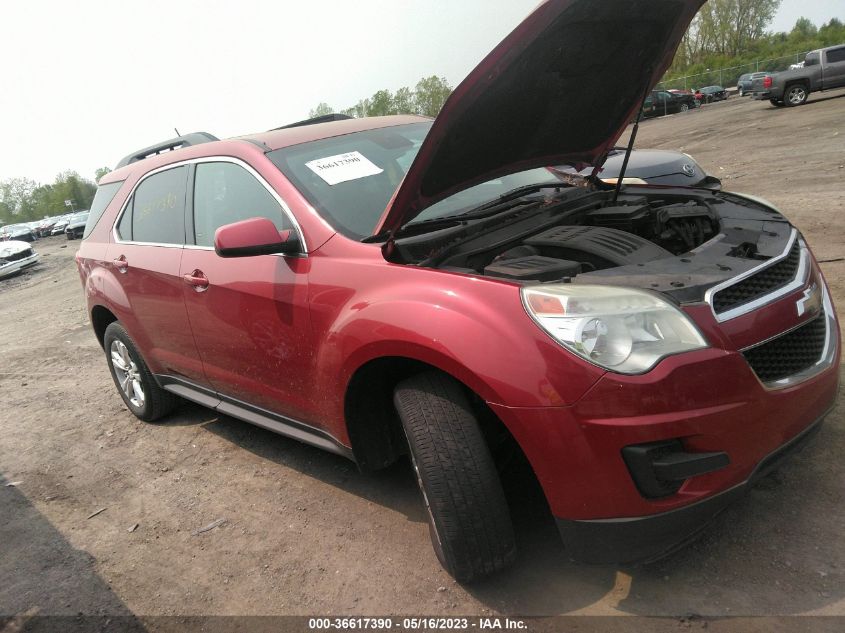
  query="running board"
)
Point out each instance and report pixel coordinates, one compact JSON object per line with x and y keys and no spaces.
{"x":254,"y":415}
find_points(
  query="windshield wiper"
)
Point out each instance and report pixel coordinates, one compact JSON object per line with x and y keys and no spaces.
{"x":487,"y":208}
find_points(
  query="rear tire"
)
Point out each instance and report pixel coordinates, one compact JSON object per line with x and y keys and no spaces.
{"x":469,"y":520}
{"x":777,"y":103}
{"x":795,"y":95}
{"x":133,"y":379}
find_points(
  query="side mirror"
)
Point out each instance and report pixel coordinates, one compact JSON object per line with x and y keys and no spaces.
{"x":256,"y":236}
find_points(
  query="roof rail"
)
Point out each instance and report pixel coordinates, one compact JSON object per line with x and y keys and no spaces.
{"x":196,"y":138}
{"x":314,"y":120}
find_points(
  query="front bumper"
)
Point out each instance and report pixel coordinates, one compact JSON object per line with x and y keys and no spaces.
{"x":16,"y":266}
{"x":634,"y":539}
{"x":705,"y":401}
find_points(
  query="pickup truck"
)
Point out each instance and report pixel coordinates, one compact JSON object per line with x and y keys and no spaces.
{"x":823,"y":69}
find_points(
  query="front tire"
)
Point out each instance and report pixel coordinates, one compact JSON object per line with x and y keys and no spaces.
{"x":469,"y":520}
{"x":133,"y":379}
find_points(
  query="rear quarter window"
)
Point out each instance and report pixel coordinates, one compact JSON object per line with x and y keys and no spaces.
{"x":835,"y":55}
{"x":156,"y":213}
{"x":102,"y":199}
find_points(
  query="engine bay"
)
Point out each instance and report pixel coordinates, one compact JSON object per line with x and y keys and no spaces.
{"x":676,"y":241}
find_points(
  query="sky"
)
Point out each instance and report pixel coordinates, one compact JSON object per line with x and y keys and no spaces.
{"x":88,"y":82}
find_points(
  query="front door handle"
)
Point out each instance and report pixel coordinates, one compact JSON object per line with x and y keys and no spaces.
{"x":121,"y":264}
{"x":197,"y":279}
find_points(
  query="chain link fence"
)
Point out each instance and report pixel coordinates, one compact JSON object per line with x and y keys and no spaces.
{"x":727,"y":77}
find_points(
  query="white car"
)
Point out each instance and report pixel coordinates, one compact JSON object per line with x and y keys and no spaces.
{"x":16,"y":255}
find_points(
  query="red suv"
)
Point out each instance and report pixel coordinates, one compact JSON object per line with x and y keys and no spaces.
{"x":389,"y":286}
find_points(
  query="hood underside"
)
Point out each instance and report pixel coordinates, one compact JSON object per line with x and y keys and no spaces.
{"x":561,"y":88}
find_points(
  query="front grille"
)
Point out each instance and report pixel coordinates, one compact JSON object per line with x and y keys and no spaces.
{"x":789,"y":353}
{"x":760,"y":284}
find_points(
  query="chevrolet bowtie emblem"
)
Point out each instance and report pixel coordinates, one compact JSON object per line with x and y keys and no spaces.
{"x":811,"y":302}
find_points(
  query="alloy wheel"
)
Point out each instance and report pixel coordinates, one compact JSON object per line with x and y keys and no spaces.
{"x":128,"y":375}
{"x":797,"y":95}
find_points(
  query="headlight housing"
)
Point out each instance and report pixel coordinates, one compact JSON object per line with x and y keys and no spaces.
{"x":621,"y":329}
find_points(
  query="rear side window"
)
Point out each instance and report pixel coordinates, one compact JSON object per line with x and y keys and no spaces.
{"x":835,"y":55}
{"x":157,"y":209}
{"x":105,"y":194}
{"x":226,"y":193}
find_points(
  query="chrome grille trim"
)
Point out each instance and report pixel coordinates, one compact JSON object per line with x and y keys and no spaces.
{"x":799,"y":281}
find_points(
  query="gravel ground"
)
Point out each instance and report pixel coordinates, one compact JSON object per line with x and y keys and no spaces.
{"x":305,"y":533}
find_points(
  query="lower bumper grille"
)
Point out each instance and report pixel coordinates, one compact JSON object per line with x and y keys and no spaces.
{"x":789,"y":353}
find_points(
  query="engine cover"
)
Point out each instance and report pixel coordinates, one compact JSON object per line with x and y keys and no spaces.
{"x":599,"y":246}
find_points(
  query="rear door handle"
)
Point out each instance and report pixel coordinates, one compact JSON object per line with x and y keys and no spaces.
{"x":121,"y":264}
{"x":197,"y":279}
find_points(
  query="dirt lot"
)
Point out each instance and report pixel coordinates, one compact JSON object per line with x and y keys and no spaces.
{"x":304,"y":533}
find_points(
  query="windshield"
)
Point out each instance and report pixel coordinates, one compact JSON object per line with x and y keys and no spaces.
{"x":350,"y":179}
{"x":469,"y":199}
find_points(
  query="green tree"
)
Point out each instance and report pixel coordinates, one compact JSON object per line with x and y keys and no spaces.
{"x":725,"y":27}
{"x":803,"y":30}
{"x":404,"y":101}
{"x":381,"y":104}
{"x":102,"y":171}
{"x":322,"y":109}
{"x":431,"y":94}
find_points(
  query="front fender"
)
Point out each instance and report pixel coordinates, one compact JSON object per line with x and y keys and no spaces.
{"x":472,"y":328}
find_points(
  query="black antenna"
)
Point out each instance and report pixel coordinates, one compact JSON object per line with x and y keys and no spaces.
{"x":177,"y":132}
{"x":630,"y":145}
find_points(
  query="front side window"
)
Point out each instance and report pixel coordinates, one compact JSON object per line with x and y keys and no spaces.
{"x":225,"y":193}
{"x":812,"y":59}
{"x":157,"y":210}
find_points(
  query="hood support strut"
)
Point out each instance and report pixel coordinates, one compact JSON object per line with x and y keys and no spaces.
{"x":630,"y":147}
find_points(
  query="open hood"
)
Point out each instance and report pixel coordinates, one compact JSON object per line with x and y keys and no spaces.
{"x":561,"y":88}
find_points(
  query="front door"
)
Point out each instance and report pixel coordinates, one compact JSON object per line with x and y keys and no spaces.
{"x":249,"y":315}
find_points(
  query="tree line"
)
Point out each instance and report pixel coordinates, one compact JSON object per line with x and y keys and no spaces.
{"x":24,"y":200}
{"x":427,"y":97}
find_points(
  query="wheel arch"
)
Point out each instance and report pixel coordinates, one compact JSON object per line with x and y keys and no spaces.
{"x":373,"y":425}
{"x":101,"y":318}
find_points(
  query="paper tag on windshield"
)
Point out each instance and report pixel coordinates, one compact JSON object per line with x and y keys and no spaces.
{"x":343,"y":167}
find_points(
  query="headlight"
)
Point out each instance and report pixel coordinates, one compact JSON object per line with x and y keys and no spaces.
{"x":621,"y":329}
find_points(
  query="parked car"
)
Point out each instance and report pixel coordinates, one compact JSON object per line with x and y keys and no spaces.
{"x":709,"y":94}
{"x":60,"y":225}
{"x":662,"y":102}
{"x":17,"y":232}
{"x":76,"y":225}
{"x":823,"y":69}
{"x":652,"y":166}
{"x":16,"y":255}
{"x":391,"y":286}
{"x":45,"y":226}
{"x":745,"y":82}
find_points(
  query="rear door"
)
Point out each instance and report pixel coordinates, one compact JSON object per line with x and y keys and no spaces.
{"x":145,"y":256}
{"x":249,"y":315}
{"x":834,"y":69}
